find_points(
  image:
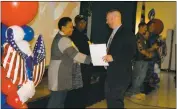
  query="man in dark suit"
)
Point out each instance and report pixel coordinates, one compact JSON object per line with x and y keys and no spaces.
{"x":121,"y":48}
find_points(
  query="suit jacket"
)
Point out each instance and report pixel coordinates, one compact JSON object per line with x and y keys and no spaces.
{"x":122,"y":49}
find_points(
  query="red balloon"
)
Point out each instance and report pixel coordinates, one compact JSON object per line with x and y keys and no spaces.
{"x":14,"y":101}
{"x":24,"y":106}
{"x":7,"y":87}
{"x":18,"y":13}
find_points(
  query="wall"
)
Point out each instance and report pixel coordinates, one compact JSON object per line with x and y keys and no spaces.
{"x":100,"y":31}
{"x":165,"y":11}
{"x":169,"y":60}
{"x":46,"y":21}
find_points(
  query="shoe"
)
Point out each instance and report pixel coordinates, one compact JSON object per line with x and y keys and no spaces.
{"x":139,"y":96}
{"x":142,"y":95}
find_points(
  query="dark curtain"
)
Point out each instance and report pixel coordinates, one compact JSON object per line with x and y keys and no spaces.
{"x":100,"y":31}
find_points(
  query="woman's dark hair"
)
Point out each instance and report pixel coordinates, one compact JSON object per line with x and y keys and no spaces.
{"x":63,"y":22}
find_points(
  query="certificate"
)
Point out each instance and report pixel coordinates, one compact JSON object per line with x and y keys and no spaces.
{"x":98,"y":51}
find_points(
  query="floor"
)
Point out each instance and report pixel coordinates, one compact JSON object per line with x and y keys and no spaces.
{"x":41,"y":90}
{"x":163,"y":97}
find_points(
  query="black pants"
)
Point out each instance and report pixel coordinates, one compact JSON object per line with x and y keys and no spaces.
{"x":86,"y":71}
{"x":78,"y":98}
{"x":115,"y":94}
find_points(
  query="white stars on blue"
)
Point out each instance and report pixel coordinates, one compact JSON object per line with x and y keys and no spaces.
{"x":39,"y":50}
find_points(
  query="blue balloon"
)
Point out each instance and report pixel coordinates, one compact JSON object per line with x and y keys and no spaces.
{"x":3,"y":99}
{"x":3,"y":33}
{"x":29,"y":33}
{"x":6,"y":106}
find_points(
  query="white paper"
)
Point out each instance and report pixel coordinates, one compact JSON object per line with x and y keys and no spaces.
{"x":98,"y":51}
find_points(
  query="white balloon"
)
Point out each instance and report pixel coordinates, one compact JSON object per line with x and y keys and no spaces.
{"x":26,"y":91}
{"x":18,"y":33}
{"x":25,"y":47}
{"x":157,"y":70}
{"x":156,"y":66}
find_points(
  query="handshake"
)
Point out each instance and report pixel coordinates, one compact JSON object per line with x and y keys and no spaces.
{"x":100,"y":58}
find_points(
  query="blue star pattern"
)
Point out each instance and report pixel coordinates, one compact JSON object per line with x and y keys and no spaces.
{"x":11,"y":41}
{"x":39,"y":52}
{"x":29,"y":67}
{"x":37,"y":60}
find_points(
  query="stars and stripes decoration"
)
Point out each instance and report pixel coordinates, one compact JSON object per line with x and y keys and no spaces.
{"x":11,"y":41}
{"x":19,"y":66}
{"x":39,"y":50}
{"x":14,"y":65}
{"x":39,"y":55}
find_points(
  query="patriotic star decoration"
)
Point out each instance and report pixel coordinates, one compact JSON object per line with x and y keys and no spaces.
{"x":11,"y":41}
{"x":30,"y":61}
{"x":29,"y":67}
{"x":39,"y":52}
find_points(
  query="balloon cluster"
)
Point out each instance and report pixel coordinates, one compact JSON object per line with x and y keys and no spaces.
{"x":20,"y":14}
{"x":22,"y":69}
{"x":9,"y":96}
{"x":18,"y":62}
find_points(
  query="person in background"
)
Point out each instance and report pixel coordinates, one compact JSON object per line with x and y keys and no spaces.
{"x":78,"y":36}
{"x":121,"y":48}
{"x":81,"y":41}
{"x":64,"y":70}
{"x":154,"y":40}
{"x":142,"y":58}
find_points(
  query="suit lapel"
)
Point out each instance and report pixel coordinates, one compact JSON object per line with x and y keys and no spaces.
{"x":118,"y":31}
{"x":115,"y":36}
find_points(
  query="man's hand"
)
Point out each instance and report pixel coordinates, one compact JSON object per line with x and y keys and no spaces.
{"x":108,"y":58}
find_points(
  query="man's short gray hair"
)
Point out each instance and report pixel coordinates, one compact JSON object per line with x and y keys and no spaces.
{"x":113,"y":10}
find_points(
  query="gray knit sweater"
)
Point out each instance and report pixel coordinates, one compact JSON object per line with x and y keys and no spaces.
{"x":64,"y":70}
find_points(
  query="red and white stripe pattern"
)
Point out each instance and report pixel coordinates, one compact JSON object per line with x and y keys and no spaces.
{"x":14,"y":66}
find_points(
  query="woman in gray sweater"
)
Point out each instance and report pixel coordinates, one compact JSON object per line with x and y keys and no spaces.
{"x":64,"y":72}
